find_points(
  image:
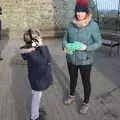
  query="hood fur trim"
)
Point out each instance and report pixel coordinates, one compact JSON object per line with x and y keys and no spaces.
{"x":83,"y":23}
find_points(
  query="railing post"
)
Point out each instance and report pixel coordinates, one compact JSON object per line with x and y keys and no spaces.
{"x":118,"y":17}
{"x":97,"y":12}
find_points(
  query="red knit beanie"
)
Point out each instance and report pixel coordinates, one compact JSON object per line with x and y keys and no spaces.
{"x":82,"y":5}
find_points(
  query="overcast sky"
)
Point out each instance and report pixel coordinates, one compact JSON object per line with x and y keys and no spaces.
{"x":107,"y":4}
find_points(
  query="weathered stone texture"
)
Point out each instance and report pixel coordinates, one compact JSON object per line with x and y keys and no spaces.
{"x":19,"y":15}
{"x":45,"y":14}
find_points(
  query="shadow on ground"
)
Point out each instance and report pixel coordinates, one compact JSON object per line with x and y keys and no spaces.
{"x":63,"y":79}
{"x":20,"y":88}
{"x":109,"y":66}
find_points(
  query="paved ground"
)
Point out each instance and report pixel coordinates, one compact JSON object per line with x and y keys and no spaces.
{"x":15,"y":92}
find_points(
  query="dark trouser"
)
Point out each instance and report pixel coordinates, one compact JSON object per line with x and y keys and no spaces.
{"x":85,"y":75}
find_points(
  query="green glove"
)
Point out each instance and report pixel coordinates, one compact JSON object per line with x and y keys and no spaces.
{"x":71,"y":47}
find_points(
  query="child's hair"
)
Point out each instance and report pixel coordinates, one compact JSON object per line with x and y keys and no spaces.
{"x":28,"y":36}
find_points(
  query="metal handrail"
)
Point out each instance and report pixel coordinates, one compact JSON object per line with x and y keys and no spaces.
{"x":117,"y":16}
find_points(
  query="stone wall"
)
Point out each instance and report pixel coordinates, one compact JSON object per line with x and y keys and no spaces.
{"x":19,"y":15}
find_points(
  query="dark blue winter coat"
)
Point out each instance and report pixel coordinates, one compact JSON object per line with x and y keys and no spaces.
{"x":39,"y":67}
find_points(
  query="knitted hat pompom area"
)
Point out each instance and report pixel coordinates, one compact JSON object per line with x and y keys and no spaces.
{"x":82,"y":5}
{"x":82,"y":2}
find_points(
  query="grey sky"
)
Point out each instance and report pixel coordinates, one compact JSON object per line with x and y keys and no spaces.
{"x":107,"y":4}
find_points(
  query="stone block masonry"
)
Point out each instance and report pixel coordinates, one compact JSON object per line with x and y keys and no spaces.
{"x":19,"y":15}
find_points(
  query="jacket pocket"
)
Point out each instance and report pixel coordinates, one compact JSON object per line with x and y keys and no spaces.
{"x":81,"y":55}
{"x":90,"y":55}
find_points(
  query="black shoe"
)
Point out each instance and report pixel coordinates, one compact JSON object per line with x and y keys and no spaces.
{"x":41,"y":117}
{"x":42,"y":112}
{"x":38,"y":119}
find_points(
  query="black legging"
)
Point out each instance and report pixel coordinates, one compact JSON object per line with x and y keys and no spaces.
{"x":85,"y":75}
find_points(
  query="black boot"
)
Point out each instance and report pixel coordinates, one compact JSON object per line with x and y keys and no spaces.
{"x":42,"y":112}
{"x":41,"y":117}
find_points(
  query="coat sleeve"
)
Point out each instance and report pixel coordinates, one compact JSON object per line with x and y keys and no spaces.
{"x":24,"y":56}
{"x":97,"y":39}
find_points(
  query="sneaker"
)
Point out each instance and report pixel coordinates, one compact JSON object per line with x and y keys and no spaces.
{"x":84,"y":108}
{"x":42,"y":114}
{"x":41,"y":117}
{"x":42,"y":111}
{"x":69,"y":100}
{"x":37,"y":119}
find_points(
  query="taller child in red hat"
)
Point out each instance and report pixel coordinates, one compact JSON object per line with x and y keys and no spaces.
{"x":82,"y":29}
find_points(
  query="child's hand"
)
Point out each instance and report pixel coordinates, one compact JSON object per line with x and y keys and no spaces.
{"x":37,"y":43}
{"x":34,"y":44}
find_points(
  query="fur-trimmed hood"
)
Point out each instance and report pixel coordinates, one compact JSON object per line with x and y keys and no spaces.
{"x":83,"y":23}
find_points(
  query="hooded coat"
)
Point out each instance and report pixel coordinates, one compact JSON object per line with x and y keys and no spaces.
{"x":39,"y":67}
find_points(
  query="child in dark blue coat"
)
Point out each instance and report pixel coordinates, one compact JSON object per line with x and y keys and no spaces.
{"x":38,"y":60}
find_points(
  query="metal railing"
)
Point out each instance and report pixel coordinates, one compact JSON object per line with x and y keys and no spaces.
{"x":108,"y":14}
